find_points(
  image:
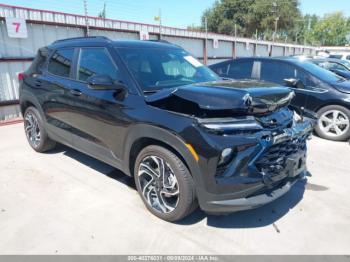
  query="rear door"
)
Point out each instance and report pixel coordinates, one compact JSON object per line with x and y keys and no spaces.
{"x":57,"y":82}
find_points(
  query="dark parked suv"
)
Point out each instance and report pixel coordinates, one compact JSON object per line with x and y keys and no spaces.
{"x":153,"y":111}
{"x":316,"y":88}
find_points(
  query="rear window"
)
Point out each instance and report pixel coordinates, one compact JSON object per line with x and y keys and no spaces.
{"x":221,"y":69}
{"x":60,"y":62}
{"x":39,"y":61}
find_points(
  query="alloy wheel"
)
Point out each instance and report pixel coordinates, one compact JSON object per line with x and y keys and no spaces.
{"x":32,"y":129}
{"x":158,"y":183}
{"x":334,"y":123}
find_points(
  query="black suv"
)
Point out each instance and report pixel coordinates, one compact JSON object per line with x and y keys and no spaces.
{"x":316,"y":89}
{"x":153,"y":111}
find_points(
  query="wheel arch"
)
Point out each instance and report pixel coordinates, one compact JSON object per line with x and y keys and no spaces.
{"x":332,"y":103}
{"x":144,"y":135}
{"x":27,"y":100}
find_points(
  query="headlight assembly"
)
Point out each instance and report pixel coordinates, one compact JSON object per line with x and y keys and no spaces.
{"x":231,"y":124}
{"x":296,"y":117}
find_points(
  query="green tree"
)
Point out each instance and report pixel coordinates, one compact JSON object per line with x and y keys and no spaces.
{"x":224,"y":14}
{"x":303,"y":28}
{"x":263,"y":14}
{"x":102,"y":14}
{"x":251,"y":15}
{"x":332,"y":29}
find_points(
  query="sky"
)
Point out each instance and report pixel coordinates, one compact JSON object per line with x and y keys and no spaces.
{"x":178,"y":13}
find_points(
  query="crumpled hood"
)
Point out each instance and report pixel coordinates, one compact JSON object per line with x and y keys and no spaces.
{"x":245,"y":95}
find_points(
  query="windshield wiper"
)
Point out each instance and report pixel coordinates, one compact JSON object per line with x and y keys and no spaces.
{"x":226,"y":78}
{"x":150,"y":91}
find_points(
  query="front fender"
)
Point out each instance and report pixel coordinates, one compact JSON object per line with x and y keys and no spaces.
{"x":177,"y":143}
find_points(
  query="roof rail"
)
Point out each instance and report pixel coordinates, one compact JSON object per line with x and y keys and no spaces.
{"x":160,"y":40}
{"x":163,"y":41}
{"x":82,"y":37}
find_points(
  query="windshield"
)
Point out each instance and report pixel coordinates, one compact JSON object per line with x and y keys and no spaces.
{"x":157,"y":68}
{"x":336,"y":56}
{"x":346,"y":63}
{"x":321,"y":73}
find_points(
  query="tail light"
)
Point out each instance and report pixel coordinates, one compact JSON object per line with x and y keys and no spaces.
{"x":21,"y":76}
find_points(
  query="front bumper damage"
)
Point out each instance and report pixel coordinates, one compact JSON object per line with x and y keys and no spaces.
{"x":271,"y":167}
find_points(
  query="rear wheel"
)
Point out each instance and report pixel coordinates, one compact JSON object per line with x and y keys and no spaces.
{"x":35,"y":132}
{"x":164,"y":183}
{"x":333,"y":123}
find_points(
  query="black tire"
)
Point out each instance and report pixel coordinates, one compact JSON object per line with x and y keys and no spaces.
{"x":186,"y":198}
{"x":323,"y":134}
{"x":44,"y":143}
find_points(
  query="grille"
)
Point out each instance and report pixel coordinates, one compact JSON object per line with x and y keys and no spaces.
{"x":274,"y":158}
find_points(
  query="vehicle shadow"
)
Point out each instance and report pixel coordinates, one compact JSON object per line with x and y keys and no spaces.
{"x":95,"y":164}
{"x":260,"y":217}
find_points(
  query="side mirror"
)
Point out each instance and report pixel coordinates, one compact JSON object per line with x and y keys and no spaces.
{"x":294,"y":83}
{"x":104,"y":82}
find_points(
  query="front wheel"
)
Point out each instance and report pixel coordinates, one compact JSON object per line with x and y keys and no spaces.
{"x":164,"y":183}
{"x":333,"y":123}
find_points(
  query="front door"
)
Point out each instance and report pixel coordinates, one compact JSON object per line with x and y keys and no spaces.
{"x":97,"y":119}
{"x":277,"y":72}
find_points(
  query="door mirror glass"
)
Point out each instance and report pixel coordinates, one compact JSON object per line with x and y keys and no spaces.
{"x":294,"y":83}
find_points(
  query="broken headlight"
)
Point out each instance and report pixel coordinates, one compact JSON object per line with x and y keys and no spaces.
{"x":231,"y":124}
{"x":297,"y":117}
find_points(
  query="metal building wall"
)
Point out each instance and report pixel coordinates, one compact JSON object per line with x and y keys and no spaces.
{"x":44,"y":27}
{"x":9,"y":79}
{"x":262,"y":50}
{"x":277,"y":51}
{"x":39,"y":36}
{"x":9,"y":87}
{"x":215,"y":60}
{"x":9,"y":112}
{"x":194,"y":46}
{"x":225,"y":50}
{"x":244,"y":50}
{"x":114,"y":35}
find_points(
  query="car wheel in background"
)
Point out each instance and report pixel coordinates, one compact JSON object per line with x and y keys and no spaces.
{"x":333,"y":123}
{"x":36,"y":134}
{"x":164,"y":183}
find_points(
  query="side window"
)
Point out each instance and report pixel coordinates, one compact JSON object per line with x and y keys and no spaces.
{"x":241,"y":69}
{"x":276,"y":72}
{"x":60,"y":62}
{"x":348,"y":57}
{"x":336,"y":66}
{"x":307,"y":79}
{"x":95,"y":61}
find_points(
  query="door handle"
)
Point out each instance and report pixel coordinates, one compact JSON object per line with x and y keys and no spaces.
{"x":37,"y":83}
{"x":75,"y":92}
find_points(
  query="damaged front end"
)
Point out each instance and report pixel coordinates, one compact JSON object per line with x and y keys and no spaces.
{"x":266,"y":159}
{"x":252,"y":146}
